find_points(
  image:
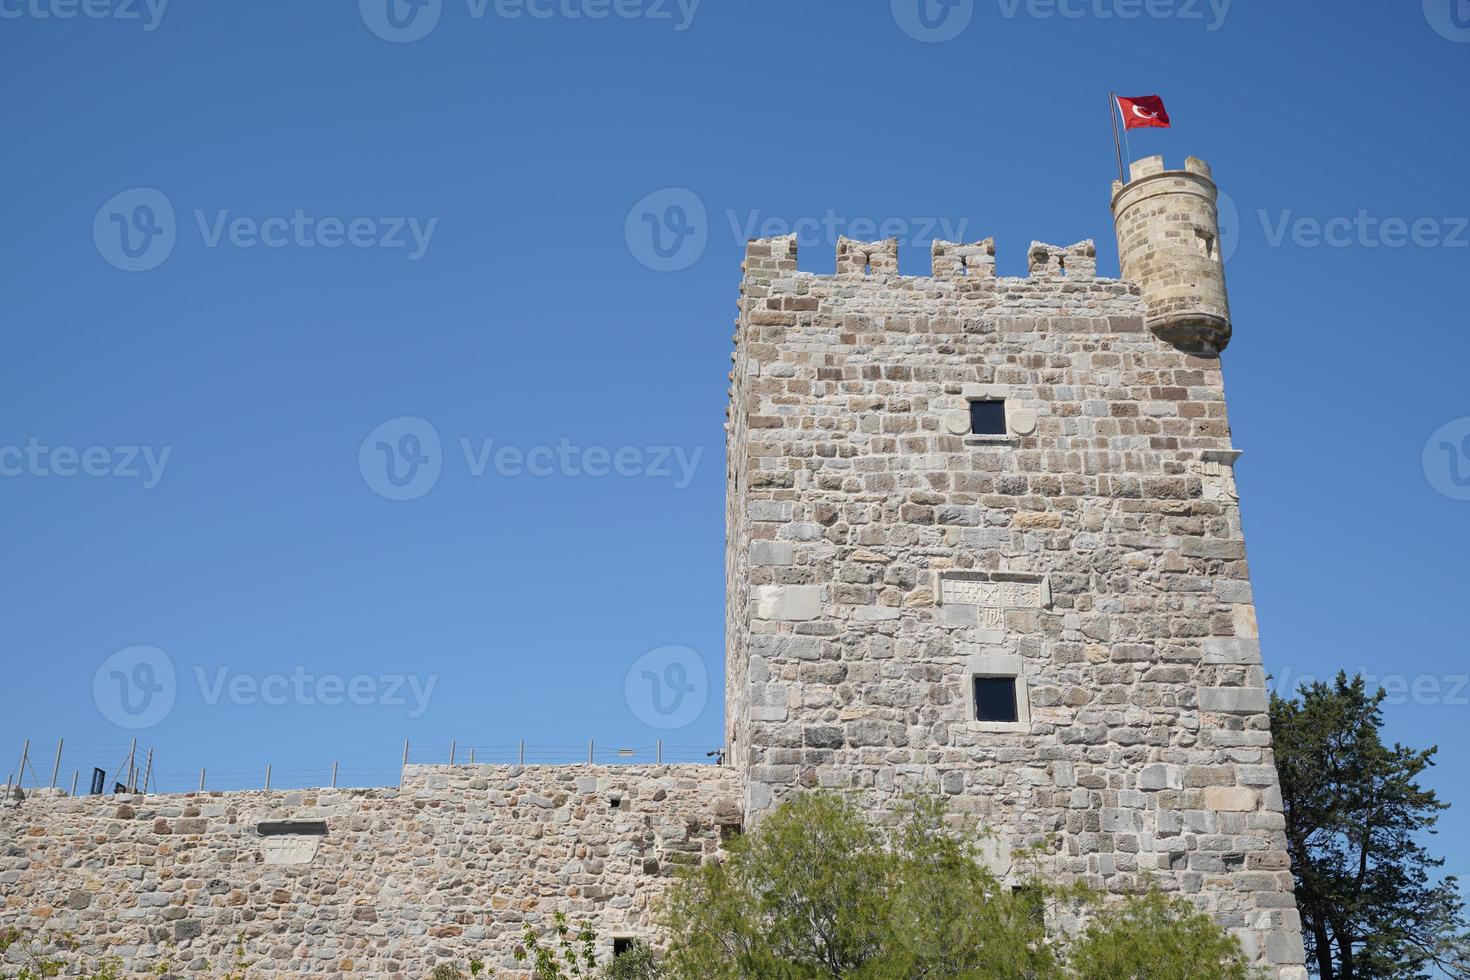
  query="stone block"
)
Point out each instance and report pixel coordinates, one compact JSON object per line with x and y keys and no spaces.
{"x":1118,"y":821}
{"x":1233,"y":700}
{"x":958,"y":616}
{"x":1157,"y":777}
{"x":769,"y":553}
{"x":1233,"y":590}
{"x":791,"y":603}
{"x":1232,"y":650}
{"x":769,"y":511}
{"x":1284,"y":947}
{"x":1225,"y":799}
{"x":1221,"y":548}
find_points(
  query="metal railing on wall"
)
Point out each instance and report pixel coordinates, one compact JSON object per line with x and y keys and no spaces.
{"x":584,"y":753}
{"x":132,"y":769}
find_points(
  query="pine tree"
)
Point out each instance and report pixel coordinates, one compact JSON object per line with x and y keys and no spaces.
{"x":1372,"y":900}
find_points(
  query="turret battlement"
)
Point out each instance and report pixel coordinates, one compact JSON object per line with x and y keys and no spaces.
{"x":1154,"y":165}
{"x":949,"y":260}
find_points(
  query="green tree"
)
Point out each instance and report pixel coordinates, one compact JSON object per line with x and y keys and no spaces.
{"x":1372,"y":901}
{"x":637,"y":963}
{"x":36,"y":958}
{"x":816,"y":891}
{"x":1152,"y":937}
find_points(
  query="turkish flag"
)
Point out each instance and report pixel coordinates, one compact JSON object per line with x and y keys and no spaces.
{"x":1144,"y":112}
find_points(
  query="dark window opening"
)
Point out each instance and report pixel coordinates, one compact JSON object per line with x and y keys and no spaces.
{"x":988,"y":418}
{"x":290,"y":828}
{"x":995,"y":699}
{"x":621,"y":945}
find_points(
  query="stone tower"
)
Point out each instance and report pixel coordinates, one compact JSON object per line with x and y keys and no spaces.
{"x":1169,"y":243}
{"x":984,"y":538}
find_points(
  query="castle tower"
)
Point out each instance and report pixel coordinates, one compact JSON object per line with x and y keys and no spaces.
{"x":1169,"y":244}
{"x":984,"y":540}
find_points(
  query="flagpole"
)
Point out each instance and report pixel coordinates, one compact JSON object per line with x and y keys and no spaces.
{"x":1113,"y":114}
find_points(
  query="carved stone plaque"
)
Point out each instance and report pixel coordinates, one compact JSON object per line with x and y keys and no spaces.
{"x":1216,"y":471}
{"x":994,"y":591}
{"x":290,"y":850}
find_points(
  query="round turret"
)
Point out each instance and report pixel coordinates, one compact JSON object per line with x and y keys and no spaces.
{"x":1169,"y":244}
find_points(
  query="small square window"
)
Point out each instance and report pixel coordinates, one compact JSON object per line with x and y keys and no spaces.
{"x":995,"y":700}
{"x":622,"y":945}
{"x":988,"y":418}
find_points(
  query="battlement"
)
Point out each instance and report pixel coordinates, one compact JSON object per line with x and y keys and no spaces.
{"x":1154,"y":165}
{"x":949,"y":260}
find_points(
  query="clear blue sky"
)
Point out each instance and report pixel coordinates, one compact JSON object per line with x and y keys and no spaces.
{"x":529,"y":311}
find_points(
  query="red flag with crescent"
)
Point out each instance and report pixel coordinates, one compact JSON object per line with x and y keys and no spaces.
{"x":1144,"y":112}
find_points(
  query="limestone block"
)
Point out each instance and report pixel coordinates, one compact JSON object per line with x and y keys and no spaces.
{"x":1115,"y":821}
{"x":1159,"y":776}
{"x":1233,"y":700}
{"x":763,"y":553}
{"x":1221,"y":548}
{"x":1243,"y":616}
{"x":788,"y":602}
{"x":1233,"y":590}
{"x":997,"y":853}
{"x":1232,"y":650}
{"x":1284,"y":947}
{"x":1228,"y":799}
{"x":773,"y":511}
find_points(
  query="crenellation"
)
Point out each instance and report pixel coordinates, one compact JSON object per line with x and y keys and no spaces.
{"x":953,"y":260}
{"x":1146,"y":167}
{"x":856,"y":258}
{"x":770,"y":255}
{"x":1054,"y":261}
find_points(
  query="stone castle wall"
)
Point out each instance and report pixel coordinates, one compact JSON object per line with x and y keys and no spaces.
{"x":451,"y":866}
{"x":884,"y":557}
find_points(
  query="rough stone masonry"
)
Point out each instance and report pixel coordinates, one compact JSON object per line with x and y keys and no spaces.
{"x":889,"y":556}
{"x":984,"y":540}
